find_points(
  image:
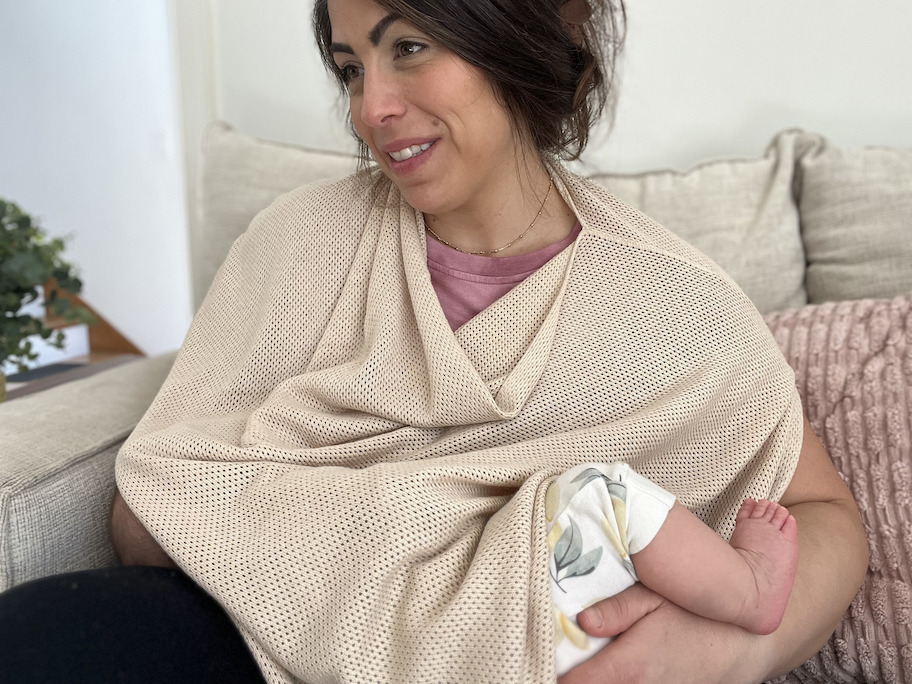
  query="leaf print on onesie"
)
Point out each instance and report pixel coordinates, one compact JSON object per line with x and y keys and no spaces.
{"x":614,"y":524}
{"x":568,"y":557}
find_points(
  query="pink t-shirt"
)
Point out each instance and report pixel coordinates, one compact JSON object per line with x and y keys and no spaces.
{"x":466,"y":284}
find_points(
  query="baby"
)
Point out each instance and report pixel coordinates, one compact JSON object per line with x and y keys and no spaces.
{"x":609,"y":527}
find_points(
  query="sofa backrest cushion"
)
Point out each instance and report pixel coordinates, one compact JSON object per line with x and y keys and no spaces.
{"x":240,"y":176}
{"x":856,"y":220}
{"x":740,"y":213}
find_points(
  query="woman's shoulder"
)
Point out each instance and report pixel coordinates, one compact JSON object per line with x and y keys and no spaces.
{"x":337,"y":198}
{"x":609,"y":221}
{"x":624,"y":246}
{"x":330,"y":208}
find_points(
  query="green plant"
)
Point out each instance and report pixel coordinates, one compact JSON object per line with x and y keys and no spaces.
{"x":28,"y":260}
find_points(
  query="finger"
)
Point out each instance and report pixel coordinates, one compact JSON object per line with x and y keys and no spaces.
{"x":617,"y":613}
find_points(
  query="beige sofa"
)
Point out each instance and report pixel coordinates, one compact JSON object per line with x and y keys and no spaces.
{"x":819,"y":237}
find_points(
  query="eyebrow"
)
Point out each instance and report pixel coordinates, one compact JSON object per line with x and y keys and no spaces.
{"x":374,"y":35}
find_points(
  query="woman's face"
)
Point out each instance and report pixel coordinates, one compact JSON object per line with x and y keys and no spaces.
{"x":430,"y":119}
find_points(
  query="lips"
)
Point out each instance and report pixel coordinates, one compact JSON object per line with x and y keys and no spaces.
{"x":404,"y":157}
{"x":409,"y":152}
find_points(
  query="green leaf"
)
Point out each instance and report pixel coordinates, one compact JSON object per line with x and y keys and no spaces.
{"x":617,"y":489}
{"x":59,"y":307}
{"x":588,"y":475}
{"x":585,"y":564}
{"x":569,"y":547}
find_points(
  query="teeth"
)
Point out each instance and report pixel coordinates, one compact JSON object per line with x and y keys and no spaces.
{"x":409,"y":152}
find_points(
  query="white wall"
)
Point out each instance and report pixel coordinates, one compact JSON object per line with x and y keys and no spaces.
{"x":91,"y":145}
{"x":93,"y":117}
{"x":270,"y":81}
{"x":707,"y":78}
{"x":701,"y":78}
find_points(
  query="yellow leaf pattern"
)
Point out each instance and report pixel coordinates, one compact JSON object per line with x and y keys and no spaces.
{"x":576,"y":636}
{"x":554,"y":535}
{"x":552,"y":500}
{"x":609,"y":531}
{"x":620,"y":514}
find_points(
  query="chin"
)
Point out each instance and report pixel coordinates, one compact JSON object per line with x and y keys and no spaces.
{"x":424,"y":199}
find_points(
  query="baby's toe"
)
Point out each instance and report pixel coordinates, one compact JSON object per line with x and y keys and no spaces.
{"x":762,"y":510}
{"x":780,"y":515}
{"x":746,"y":510}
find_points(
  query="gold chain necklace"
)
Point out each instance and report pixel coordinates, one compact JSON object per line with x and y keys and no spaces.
{"x":486,"y":252}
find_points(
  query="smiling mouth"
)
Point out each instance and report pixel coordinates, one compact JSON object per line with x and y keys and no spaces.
{"x":409,"y":152}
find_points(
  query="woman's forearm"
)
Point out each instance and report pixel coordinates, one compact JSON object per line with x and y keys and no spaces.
{"x":833,"y":558}
{"x":132,"y":542}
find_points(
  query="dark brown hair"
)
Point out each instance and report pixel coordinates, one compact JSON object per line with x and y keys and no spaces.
{"x":552,"y":68}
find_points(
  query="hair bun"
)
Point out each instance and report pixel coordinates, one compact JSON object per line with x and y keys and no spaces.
{"x":575,"y":12}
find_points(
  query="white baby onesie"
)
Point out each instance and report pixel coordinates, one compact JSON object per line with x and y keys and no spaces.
{"x":598,"y":514}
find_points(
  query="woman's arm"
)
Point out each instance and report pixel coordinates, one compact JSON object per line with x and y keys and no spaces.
{"x":132,"y":542}
{"x":662,"y":642}
{"x":833,"y":556}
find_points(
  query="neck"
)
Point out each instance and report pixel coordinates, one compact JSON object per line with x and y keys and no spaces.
{"x":493,"y":223}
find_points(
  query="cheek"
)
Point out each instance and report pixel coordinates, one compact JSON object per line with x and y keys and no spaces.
{"x":489,"y":117}
{"x":362,"y":130}
{"x":495,"y":131}
{"x":354,"y":112}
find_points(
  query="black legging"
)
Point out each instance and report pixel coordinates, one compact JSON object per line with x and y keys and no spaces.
{"x":126,"y":624}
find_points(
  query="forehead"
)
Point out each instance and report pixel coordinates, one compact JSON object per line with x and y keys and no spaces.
{"x":352,"y":19}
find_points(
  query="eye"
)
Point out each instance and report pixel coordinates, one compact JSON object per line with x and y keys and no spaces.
{"x":349,"y":72}
{"x":407,"y":48}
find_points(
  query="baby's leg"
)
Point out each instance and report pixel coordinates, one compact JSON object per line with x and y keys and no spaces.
{"x":746,"y":582}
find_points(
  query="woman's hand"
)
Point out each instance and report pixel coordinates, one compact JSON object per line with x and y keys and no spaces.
{"x":661,"y":642}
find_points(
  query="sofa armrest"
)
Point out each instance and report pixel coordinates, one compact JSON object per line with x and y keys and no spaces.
{"x":57,"y":451}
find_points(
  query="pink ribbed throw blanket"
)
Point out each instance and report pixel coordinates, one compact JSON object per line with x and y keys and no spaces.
{"x":853,"y":366}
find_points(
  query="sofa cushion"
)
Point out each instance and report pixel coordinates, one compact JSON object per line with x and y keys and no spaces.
{"x":856,"y":218}
{"x":852,"y":365}
{"x":57,"y":450}
{"x":742,"y":214}
{"x":241,"y":176}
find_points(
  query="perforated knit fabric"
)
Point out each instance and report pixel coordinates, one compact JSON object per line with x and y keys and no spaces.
{"x":363,"y":489}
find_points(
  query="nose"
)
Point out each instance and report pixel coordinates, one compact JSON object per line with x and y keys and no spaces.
{"x":381,"y":98}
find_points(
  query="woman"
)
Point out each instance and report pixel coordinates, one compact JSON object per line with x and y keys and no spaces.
{"x":352,"y":458}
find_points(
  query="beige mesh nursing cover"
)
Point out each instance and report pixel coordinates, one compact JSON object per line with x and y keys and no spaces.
{"x":362,"y":488}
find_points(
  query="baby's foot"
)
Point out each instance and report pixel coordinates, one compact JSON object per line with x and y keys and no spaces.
{"x":766,"y":535}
